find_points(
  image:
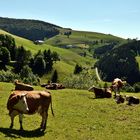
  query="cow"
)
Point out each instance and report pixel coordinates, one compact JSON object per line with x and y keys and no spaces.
{"x":29,"y":102}
{"x":117,"y":84}
{"x":53,"y":86}
{"x":101,"y":92}
{"x":22,"y":86}
{"x":132,"y":100}
{"x":119,"y":99}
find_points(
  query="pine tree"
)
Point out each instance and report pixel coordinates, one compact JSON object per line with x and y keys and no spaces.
{"x":54,"y":77}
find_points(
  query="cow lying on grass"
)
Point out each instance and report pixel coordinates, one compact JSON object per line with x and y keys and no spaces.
{"x":101,"y":92}
{"x":22,"y":86}
{"x":132,"y":100}
{"x":29,"y":102}
{"x":119,"y":99}
{"x":53,"y":86}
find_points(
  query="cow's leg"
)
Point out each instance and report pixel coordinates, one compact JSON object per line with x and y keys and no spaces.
{"x":44,"y":120}
{"x":20,"y":121}
{"x":12,"y":115}
{"x":115,"y":91}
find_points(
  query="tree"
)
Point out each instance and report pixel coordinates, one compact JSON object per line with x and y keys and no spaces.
{"x":54,"y":77}
{"x":48,"y":59}
{"x":22,"y":58}
{"x":8,"y":42}
{"x":39,"y":65}
{"x":55,"y":56}
{"x":4,"y":56}
{"x":68,"y":33}
{"x":77,"y":69}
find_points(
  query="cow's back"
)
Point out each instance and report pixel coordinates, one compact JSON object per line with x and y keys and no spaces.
{"x":37,"y":99}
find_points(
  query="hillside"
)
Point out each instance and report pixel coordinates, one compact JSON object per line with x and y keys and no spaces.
{"x":122,"y":61}
{"x":81,"y":37}
{"x":53,"y":34}
{"x":83,"y":42}
{"x":74,"y":47}
{"x":68,"y":58}
{"x":30,"y":29}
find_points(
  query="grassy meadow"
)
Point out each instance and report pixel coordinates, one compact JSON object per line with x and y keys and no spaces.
{"x":78,"y":116}
{"x":80,"y":37}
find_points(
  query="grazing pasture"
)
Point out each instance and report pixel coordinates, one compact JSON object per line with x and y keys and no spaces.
{"x":78,"y":116}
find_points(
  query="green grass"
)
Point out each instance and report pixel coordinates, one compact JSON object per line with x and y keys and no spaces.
{"x":78,"y":116}
{"x":63,"y":70}
{"x":80,"y":37}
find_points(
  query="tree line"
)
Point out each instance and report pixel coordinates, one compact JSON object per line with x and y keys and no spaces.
{"x":30,"y":29}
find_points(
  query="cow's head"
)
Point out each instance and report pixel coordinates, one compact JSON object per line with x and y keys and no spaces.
{"x":21,"y":104}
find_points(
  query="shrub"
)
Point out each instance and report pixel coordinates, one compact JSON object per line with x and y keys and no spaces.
{"x":8,"y":76}
{"x":80,"y":81}
{"x":136,"y":87}
{"x":28,"y":77}
{"x":128,"y":88}
{"x":77,"y":69}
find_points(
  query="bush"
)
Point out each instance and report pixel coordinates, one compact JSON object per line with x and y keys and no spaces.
{"x":32,"y":80}
{"x":28,"y":77}
{"x":128,"y":88}
{"x":136,"y":87}
{"x":77,"y":69}
{"x":80,"y":81}
{"x":8,"y":76}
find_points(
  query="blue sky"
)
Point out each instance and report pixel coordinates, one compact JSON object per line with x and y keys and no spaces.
{"x":117,"y":17}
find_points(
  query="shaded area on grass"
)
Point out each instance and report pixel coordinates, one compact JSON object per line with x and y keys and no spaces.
{"x":13,"y":133}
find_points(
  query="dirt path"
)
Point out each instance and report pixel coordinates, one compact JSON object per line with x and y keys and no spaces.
{"x":97,"y":74}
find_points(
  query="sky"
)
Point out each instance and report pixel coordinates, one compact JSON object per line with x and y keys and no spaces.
{"x":117,"y":17}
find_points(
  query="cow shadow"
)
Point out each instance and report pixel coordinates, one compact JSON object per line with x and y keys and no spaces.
{"x":13,"y":133}
{"x":97,"y":98}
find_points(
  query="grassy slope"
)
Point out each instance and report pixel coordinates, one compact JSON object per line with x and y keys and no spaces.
{"x":68,"y":58}
{"x":78,"y":116}
{"x":80,"y":37}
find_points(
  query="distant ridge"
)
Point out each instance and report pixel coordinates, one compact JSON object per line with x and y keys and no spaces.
{"x":30,"y":29}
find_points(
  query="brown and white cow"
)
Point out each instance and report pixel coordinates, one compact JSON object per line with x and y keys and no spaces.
{"x":117,"y":84}
{"x":101,"y":92}
{"x":29,"y":102}
{"x":22,"y":86}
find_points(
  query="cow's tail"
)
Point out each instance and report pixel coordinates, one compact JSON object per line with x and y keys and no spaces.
{"x":52,"y":108}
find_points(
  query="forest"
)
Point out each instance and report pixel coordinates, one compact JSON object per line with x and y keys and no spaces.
{"x":119,"y":62}
{"x":29,"y":29}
